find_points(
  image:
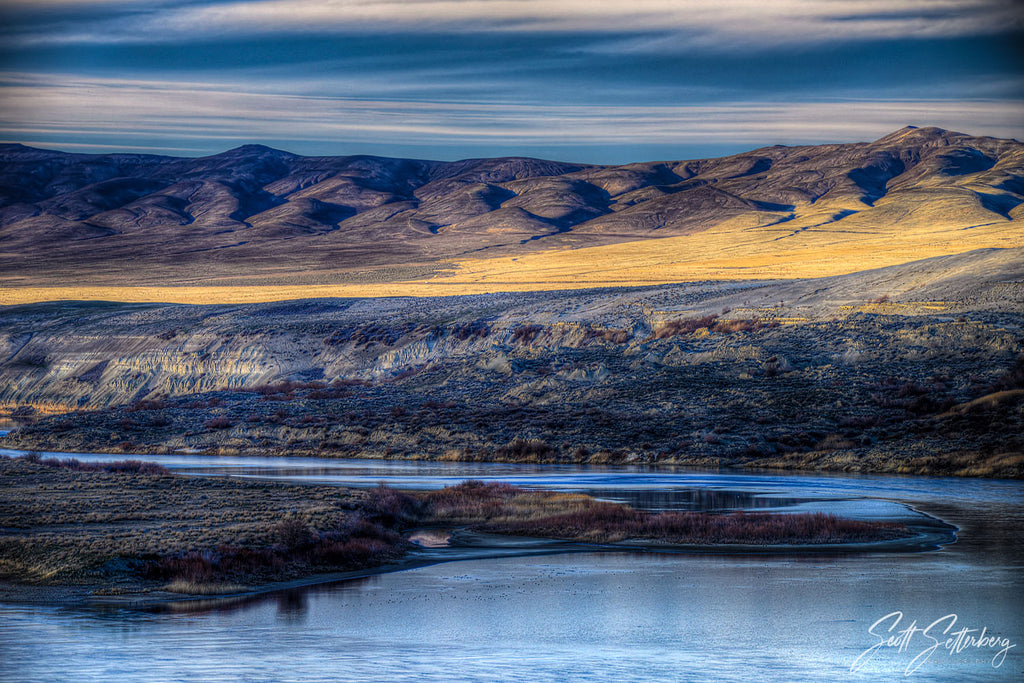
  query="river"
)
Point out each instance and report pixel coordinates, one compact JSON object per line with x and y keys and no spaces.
{"x":608,"y":616}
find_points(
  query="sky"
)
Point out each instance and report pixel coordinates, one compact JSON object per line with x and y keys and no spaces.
{"x":596,"y":81}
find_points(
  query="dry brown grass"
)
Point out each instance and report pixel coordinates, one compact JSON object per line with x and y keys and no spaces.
{"x":198,"y":588}
{"x":474,"y":502}
{"x":711,"y":323}
{"x":117,"y":467}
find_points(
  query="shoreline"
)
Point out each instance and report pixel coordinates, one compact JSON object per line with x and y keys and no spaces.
{"x":794,"y":378}
{"x":817,"y":463}
{"x":127,"y":533}
{"x":925,"y":539}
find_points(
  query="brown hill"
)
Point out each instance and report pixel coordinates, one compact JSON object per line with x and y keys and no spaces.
{"x":259,"y":216}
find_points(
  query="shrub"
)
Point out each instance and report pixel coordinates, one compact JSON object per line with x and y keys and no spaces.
{"x":358,"y":543}
{"x":776,"y":365}
{"x":469,"y":500}
{"x":193,"y":567}
{"x":352,"y":553}
{"x":388,"y":506}
{"x":408,"y":372}
{"x":292,"y":533}
{"x":611,"y":335}
{"x":471,"y":330}
{"x":525,"y":449}
{"x":438,"y":405}
{"x":1013,"y":378}
{"x":526,"y":334}
{"x":219,"y":423}
{"x":340,"y":382}
{"x":835,"y":442}
{"x":133,"y":467}
{"x":147,"y":404}
{"x":675,"y":328}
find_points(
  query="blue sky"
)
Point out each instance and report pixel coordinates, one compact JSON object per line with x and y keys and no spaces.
{"x":581,"y":80}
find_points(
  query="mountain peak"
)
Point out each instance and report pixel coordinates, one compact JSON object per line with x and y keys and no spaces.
{"x":255,"y":150}
{"x":914,"y":134}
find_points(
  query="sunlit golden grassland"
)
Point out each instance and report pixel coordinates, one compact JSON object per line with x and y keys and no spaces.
{"x":759,"y":245}
{"x":750,"y":247}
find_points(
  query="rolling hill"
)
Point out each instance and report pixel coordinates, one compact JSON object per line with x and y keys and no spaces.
{"x":255,"y":223}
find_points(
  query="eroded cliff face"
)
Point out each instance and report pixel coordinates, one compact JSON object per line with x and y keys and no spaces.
{"x":66,"y":357}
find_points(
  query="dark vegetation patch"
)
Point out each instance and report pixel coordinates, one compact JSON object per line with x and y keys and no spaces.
{"x":526,"y":450}
{"x":472,"y":330}
{"x":118,"y":467}
{"x":219,"y":423}
{"x":352,"y":544}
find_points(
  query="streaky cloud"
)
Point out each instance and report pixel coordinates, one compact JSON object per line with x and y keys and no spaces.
{"x":206,"y":117}
{"x":725,"y":24}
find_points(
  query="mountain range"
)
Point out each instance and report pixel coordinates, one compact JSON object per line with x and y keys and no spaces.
{"x":256,"y":215}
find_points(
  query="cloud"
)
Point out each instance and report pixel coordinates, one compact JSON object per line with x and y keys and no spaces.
{"x":214,"y":116}
{"x":712,"y":25}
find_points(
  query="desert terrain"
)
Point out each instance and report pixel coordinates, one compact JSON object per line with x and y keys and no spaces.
{"x":913,"y":368}
{"x":850,"y":307}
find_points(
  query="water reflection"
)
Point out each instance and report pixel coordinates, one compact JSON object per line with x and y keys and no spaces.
{"x":695,"y":499}
{"x":610,"y":616}
{"x":595,"y":617}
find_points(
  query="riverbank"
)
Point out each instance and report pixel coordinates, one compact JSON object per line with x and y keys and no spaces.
{"x":91,"y":533}
{"x":844,"y":375}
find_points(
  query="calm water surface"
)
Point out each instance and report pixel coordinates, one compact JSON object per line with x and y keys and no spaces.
{"x":585,"y":616}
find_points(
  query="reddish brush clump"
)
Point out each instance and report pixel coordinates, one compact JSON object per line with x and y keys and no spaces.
{"x":676,"y":328}
{"x":147,"y":404}
{"x":525,"y":334}
{"x":470,"y":500}
{"x":299,"y":550}
{"x":353,"y":553}
{"x":209,"y":565}
{"x":388,"y":506}
{"x":611,"y":523}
